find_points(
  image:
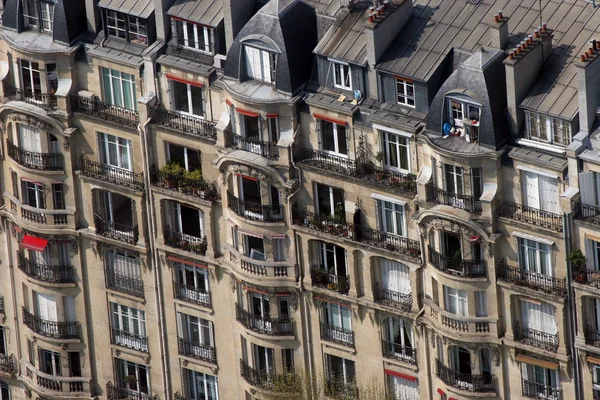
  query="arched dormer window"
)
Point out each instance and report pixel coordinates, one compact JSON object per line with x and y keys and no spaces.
{"x":463,"y":116}
{"x":260,"y":61}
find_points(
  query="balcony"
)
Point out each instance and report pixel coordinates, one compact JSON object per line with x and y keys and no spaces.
{"x":45,"y":101}
{"x":108,"y":173}
{"x":8,"y":364}
{"x":185,"y":242}
{"x":332,"y":333}
{"x":529,"y":215}
{"x":592,"y":336}
{"x":41,"y":216}
{"x":535,"y":338}
{"x":357,"y":233}
{"x":264,"y":269}
{"x":531,"y":280}
{"x":321,"y":278}
{"x":199,"y":351}
{"x":391,"y":298}
{"x":47,"y":273}
{"x":595,"y":394}
{"x":39,"y":161}
{"x":185,"y":123}
{"x":2,"y":309}
{"x":123,"y":233}
{"x":449,"y":265}
{"x":586,"y":276}
{"x":588,"y":213}
{"x":124,"y":284}
{"x":535,"y":390}
{"x":261,"y":147}
{"x":181,"y":184}
{"x":78,"y":387}
{"x":265,"y":326}
{"x":96,"y":108}
{"x":337,"y":389}
{"x":51,"y":329}
{"x":395,"y":351}
{"x":192,"y":294}
{"x":129,"y":340}
{"x":114,"y":392}
{"x":346,"y":167}
{"x":462,"y":381}
{"x":254,"y":211}
{"x":460,"y":201}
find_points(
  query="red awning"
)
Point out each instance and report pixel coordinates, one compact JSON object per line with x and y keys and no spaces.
{"x":247,"y":112}
{"x":34,"y":243}
{"x":400,"y":375}
{"x":440,"y":391}
{"x":181,"y":260}
{"x":329,"y":119}
{"x":183,"y":80}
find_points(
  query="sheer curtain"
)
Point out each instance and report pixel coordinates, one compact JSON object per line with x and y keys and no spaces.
{"x":395,"y":276}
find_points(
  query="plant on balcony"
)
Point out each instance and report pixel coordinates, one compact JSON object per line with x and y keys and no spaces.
{"x":194,"y":178}
{"x":578,"y":260}
{"x":172,"y":171}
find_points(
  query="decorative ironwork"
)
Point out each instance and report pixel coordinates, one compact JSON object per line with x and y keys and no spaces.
{"x":200,"y":351}
{"x":47,"y":273}
{"x":396,"y":351}
{"x":46,"y":101}
{"x":8,"y":363}
{"x":391,"y":298}
{"x":586,"y":276}
{"x":129,"y":340}
{"x":185,"y":123}
{"x":186,"y":242}
{"x":456,"y":200}
{"x":109,"y":173}
{"x":265,"y":326}
{"x":532,"y":280}
{"x":261,"y":147}
{"x":540,"y":391}
{"x":124,"y":284}
{"x":530,"y":215}
{"x":94,"y":107}
{"x":181,"y":184}
{"x":321,"y":278}
{"x":459,"y":267}
{"x":255,"y":211}
{"x":52,"y":329}
{"x":192,"y":294}
{"x":39,"y":161}
{"x":464,"y":381}
{"x":124,"y":233}
{"x":592,"y":335}
{"x":335,"y":334}
{"x":113,"y":392}
{"x":532,"y":337}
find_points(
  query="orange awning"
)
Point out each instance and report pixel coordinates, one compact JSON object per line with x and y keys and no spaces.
{"x":534,"y":361}
{"x":34,"y":243}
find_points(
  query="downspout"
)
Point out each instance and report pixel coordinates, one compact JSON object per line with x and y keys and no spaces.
{"x":572,"y":320}
{"x":8,"y":249}
{"x":428,"y":373}
{"x":156,"y":262}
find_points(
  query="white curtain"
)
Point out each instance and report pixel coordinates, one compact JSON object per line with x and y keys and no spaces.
{"x":125,"y":266}
{"x":539,"y":317}
{"x":480,"y":304}
{"x":403,"y":388}
{"x":69,"y":303}
{"x":590,"y":252}
{"x":586,"y":188}
{"x":29,"y":138}
{"x":395,"y":276}
{"x":266,"y":65}
{"x":46,"y":306}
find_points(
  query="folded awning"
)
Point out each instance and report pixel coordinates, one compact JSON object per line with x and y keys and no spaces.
{"x":34,"y":243}
{"x":534,"y":361}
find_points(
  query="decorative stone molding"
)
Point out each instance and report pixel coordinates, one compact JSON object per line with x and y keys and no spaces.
{"x":30,"y":120}
{"x":446,"y":225}
{"x":232,"y":282}
{"x":496,"y":356}
{"x":237,"y":169}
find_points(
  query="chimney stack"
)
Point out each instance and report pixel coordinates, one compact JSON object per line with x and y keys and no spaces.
{"x":588,"y":80}
{"x":499,"y":31}
{"x":236,"y":13}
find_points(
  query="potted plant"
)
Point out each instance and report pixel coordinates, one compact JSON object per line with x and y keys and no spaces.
{"x":194,"y":179}
{"x":578,"y":260}
{"x":172,"y":173}
{"x":379,"y":157}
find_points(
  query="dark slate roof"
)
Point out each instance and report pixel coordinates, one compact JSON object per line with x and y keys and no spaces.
{"x":327,"y":7}
{"x":185,"y":64}
{"x":137,"y":8}
{"x":538,"y":158}
{"x":481,"y":77}
{"x":206,"y":12}
{"x":291,"y":26}
{"x":346,"y":40}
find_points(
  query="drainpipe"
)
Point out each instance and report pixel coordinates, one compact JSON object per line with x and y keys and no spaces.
{"x":158,"y":291}
{"x":8,"y":249}
{"x":572,"y":320}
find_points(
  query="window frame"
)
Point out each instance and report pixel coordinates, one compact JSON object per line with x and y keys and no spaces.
{"x":133,"y":29}
{"x":454,"y":296}
{"x":121,"y":147}
{"x":398,"y":217}
{"x":194,"y":43}
{"x":345,"y":75}
{"x":122,"y":78}
{"x":136,"y":319}
{"x":524,"y":246}
{"x":335,"y":138}
{"x":398,"y":145}
{"x":404,"y":98}
{"x":272,"y":67}
{"x":548,"y":124}
{"x":190,"y":98}
{"x":195,"y":376}
{"x":38,"y":189}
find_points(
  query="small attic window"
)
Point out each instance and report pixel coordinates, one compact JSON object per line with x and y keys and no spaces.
{"x":260,"y":64}
{"x":544,"y":128}
{"x":463,"y":118}
{"x":39,"y":15}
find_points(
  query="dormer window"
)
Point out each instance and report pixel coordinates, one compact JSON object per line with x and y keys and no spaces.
{"x":342,"y":77}
{"x":548,"y":129}
{"x":127,"y":27}
{"x":194,"y":36}
{"x":260,"y":64}
{"x":405,"y":92}
{"x":464,"y":116}
{"x":38,"y":14}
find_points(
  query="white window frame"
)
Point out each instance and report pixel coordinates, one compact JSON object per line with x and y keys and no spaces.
{"x":195,"y":376}
{"x":457,"y":299}
{"x":336,"y":143}
{"x":481,"y":303}
{"x":56,"y":366}
{"x":323,"y":248}
{"x":458,"y":115}
{"x":31,"y":15}
{"x":266,"y":67}
{"x":199,"y":31}
{"x":47,"y":16}
{"x":398,"y":216}
{"x":400,"y":142}
{"x":137,"y":30}
{"x":405,"y":329}
{"x":122,"y":79}
{"x":401,"y":388}
{"x":189,"y":99}
{"x":135,"y":325}
{"x":190,"y":326}
{"x":185,"y":155}
{"x":542,"y":250}
{"x":345,"y":75}
{"x":38,"y":189}
{"x":269,"y":358}
{"x":121,"y":147}
{"x":27,"y":72}
{"x":403,"y":96}
{"x":548,"y":124}
{"x":124,"y":368}
{"x":337,"y":315}
{"x":329,"y":361}
{"x":457,"y":185}
{"x":176,"y":209}
{"x":199,"y":275}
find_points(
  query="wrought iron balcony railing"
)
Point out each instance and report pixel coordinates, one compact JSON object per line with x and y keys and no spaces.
{"x":181,"y":184}
{"x":532,"y":280}
{"x":532,"y":337}
{"x":397,"y":351}
{"x":46,"y":101}
{"x":261,"y":147}
{"x":8,"y":364}
{"x":392,"y":298}
{"x":114,"y":392}
{"x":588,"y":213}
{"x":192,"y":294}
{"x":109,"y":173}
{"x":47,"y":273}
{"x":200,"y":351}
{"x":586,"y":276}
{"x":592,"y":335}
{"x":459,"y":267}
{"x":461,"y":201}
{"x":464,"y":381}
{"x":51,"y":329}
{"x":124,"y":284}
{"x":124,"y":233}
{"x":535,"y":390}
{"x":332,"y":333}
{"x":265,"y":326}
{"x":191,"y":124}
{"x":337,"y":283}
{"x":39,"y":161}
{"x":254,"y":211}
{"x":96,"y":108}
{"x":129,"y":340}
{"x":184,"y":241}
{"x":529,"y":215}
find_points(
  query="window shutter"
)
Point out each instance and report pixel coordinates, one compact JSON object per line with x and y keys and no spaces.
{"x":586,"y":187}
{"x":180,"y":333}
{"x":43,"y":198}
{"x":480,"y":304}
{"x":203,"y":94}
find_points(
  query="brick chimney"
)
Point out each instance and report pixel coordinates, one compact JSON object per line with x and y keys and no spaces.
{"x":499,"y":31}
{"x":236,"y":14}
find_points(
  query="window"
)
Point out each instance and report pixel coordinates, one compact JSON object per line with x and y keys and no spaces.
{"x":129,"y":327}
{"x":254,"y":247}
{"x":539,"y":382}
{"x":405,"y":92}
{"x":401,"y":388}
{"x":130,"y":28}
{"x":59,"y":196}
{"x":596,"y":377}
{"x":460,"y":364}
{"x":31,"y":13}
{"x":187,"y":98}
{"x":279,"y":253}
{"x":50,"y":362}
{"x":260,"y":64}
{"x":38,"y":14}
{"x":287,"y":360}
{"x":453,"y":179}
{"x":592,"y":254}
{"x":273,"y":126}
{"x":485,"y":364}
{"x":456,"y":301}
{"x":192,"y":283}
{"x":340,"y":371}
{"x":200,"y":386}
{"x":540,"y":192}
{"x":538,"y":317}
{"x":330,"y":201}
{"x":391,"y":217}
{"x":480,"y":303}
{"x":133,"y":377}
{"x":74,"y":358}
{"x":116,"y":211}
{"x":337,"y":315}
{"x":29,"y":140}
{"x":395,"y":276}
{"x":264,"y":360}
{"x":4,"y":391}
{"x":33,"y":194}
{"x":124,"y":272}
{"x":331,"y":258}
{"x":30,"y":77}
{"x":119,"y":88}
{"x":342,"y":77}
{"x":535,"y":257}
{"x":548,"y":129}
{"x":461,"y":110}
{"x":589,"y":186}
{"x":196,"y":332}
{"x":51,"y":78}
{"x":47,"y":16}
{"x":3,"y":348}
{"x":186,"y":220}
{"x":396,"y":152}
{"x":284,"y":307}
{"x":194,"y":36}
{"x":189,"y":159}
{"x":333,"y":138}
{"x":15,"y":184}
{"x":398,"y":340}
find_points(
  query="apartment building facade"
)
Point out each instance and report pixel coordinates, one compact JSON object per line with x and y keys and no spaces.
{"x":201,"y":197}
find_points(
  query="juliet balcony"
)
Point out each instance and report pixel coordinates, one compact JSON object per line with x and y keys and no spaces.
{"x":464,"y":381}
{"x":125,"y":284}
{"x":33,"y":160}
{"x":535,"y":338}
{"x":337,"y":283}
{"x":254,"y":211}
{"x":532,"y":280}
{"x":535,"y":390}
{"x":199,"y":351}
{"x":51,"y":329}
{"x":46,"y":273}
{"x":189,"y":124}
{"x":108,"y":173}
{"x":395,"y":351}
{"x":129,"y":340}
{"x":458,"y":267}
{"x":94,"y":107}
{"x":192,"y":294}
{"x":264,"y":326}
{"x":529,"y":215}
{"x":457,"y":200}
{"x":335,"y":334}
{"x":263,"y":148}
{"x":391,"y":298}
{"x":113,"y":230}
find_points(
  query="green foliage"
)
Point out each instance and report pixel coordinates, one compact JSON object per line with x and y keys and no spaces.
{"x":577,"y":258}
{"x":173,"y":168}
{"x":195,"y":175}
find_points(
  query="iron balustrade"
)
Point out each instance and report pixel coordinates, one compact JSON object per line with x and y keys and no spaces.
{"x":261,"y":147}
{"x":394,"y":180}
{"x":457,"y":200}
{"x":129,"y":340}
{"x":112,"y":174}
{"x":8,"y":363}
{"x":532,"y":280}
{"x":332,"y":333}
{"x":254,"y":377}
{"x":586,"y":276}
{"x":34,"y":160}
{"x":192,"y":294}
{"x":529,"y":215}
{"x":595,"y":394}
{"x":124,"y":284}
{"x":94,"y":107}
{"x":396,"y":351}
{"x":357,"y":233}
{"x":200,"y":351}
{"x":52,"y":329}
{"x":459,"y":267}
{"x":322,"y":278}
{"x":2,"y":309}
{"x":185,"y":123}
{"x":46,"y":273}
{"x":112,"y":230}
{"x":392,"y":298}
{"x":184,"y":241}
{"x":592,"y":335}
{"x":181,"y":184}
{"x":46,"y":101}
{"x":34,"y":216}
{"x":540,"y":391}
{"x":265,"y":326}
{"x":464,"y":381}
{"x":588,"y":213}
{"x":254,"y":211}
{"x":535,"y":338}
{"x":114,"y":392}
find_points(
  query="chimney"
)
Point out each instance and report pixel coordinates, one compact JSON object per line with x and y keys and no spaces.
{"x":523,"y":66}
{"x":93,"y":16}
{"x":499,"y":31}
{"x":236,"y":14}
{"x":381,"y":27}
{"x":163,"y":24}
{"x":588,"y":81}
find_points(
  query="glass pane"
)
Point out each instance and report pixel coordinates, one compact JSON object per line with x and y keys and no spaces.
{"x":197,"y":106}
{"x":180,"y":96}
{"x":327,"y":134}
